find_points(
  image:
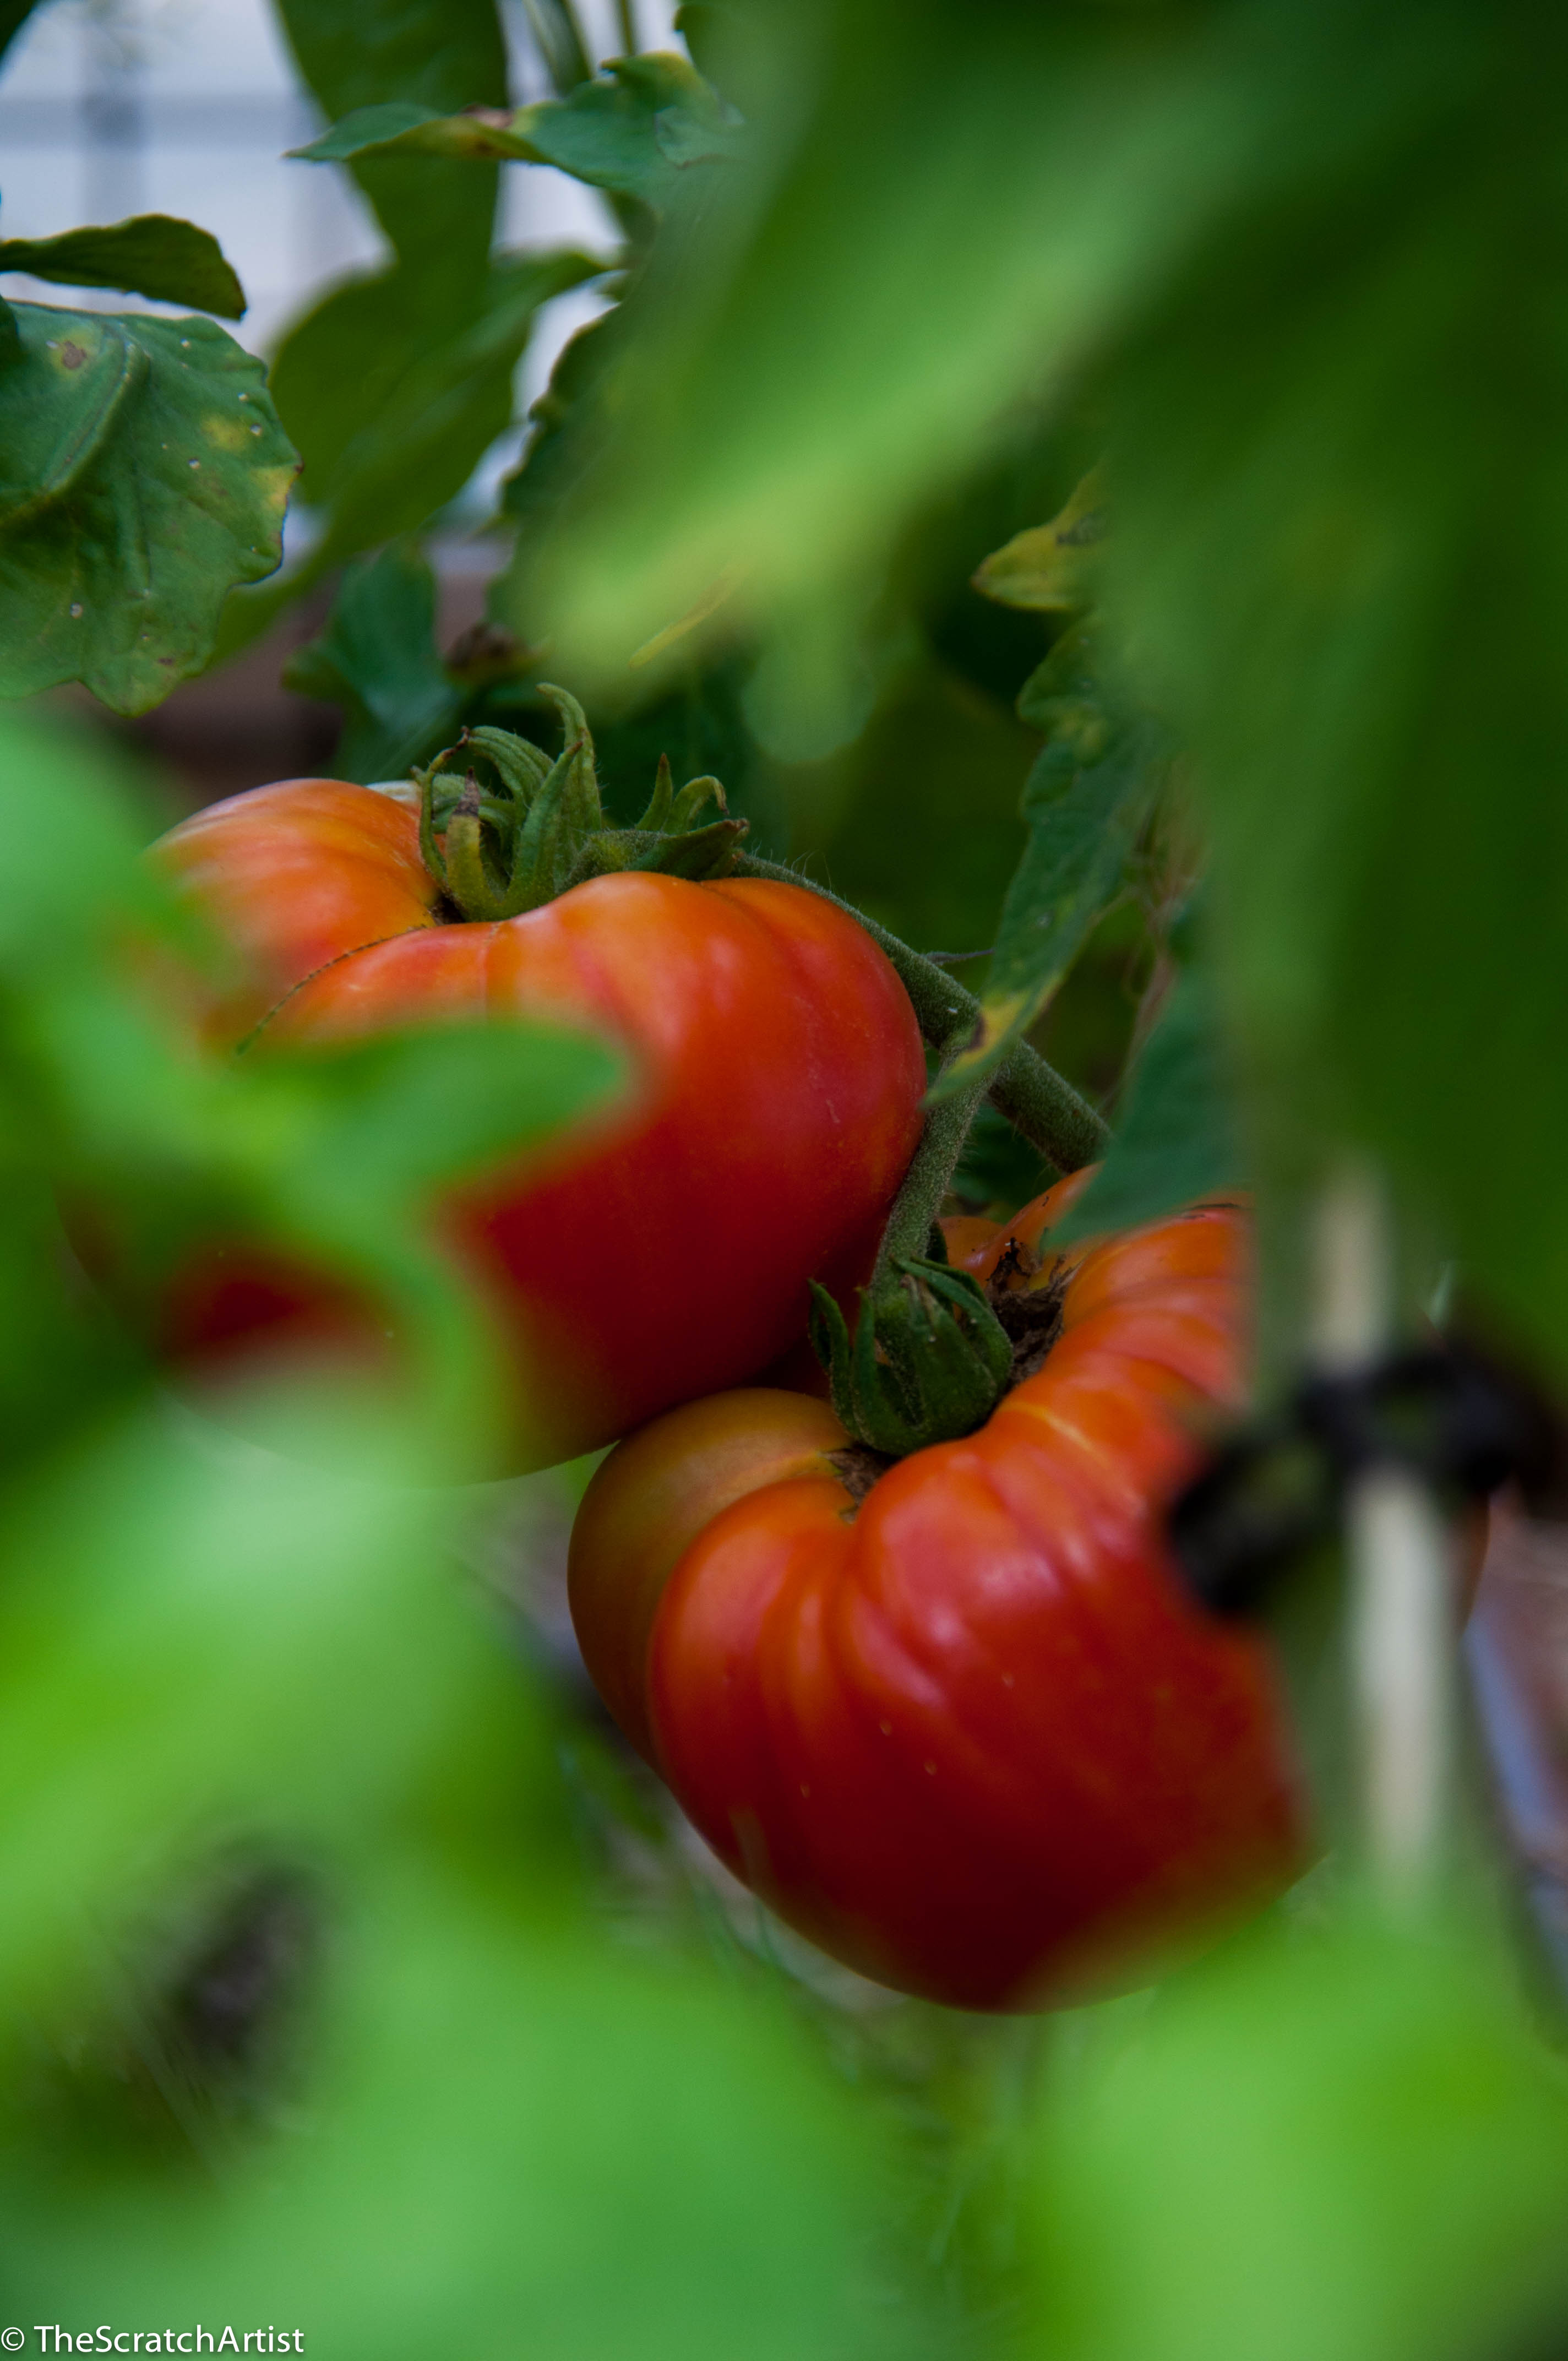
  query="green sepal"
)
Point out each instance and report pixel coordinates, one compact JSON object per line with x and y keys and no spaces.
{"x":470,"y":879}
{"x":829,"y":1334}
{"x":662,"y":803}
{"x":700,"y":854}
{"x":928,"y":1362}
{"x":693,"y":798}
{"x":538,"y":828}
{"x":697,"y":852}
{"x":561,"y":818}
{"x":523,"y":767}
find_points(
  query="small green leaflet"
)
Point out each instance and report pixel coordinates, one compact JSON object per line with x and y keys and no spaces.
{"x":632,"y":134}
{"x":154,"y":255}
{"x":1177,"y":1140}
{"x":143,"y":472}
{"x":1085,"y":800}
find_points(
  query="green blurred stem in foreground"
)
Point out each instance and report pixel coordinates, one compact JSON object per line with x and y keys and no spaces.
{"x":1033,"y":1096}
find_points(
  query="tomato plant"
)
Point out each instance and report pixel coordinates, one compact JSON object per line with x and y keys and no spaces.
{"x":954,"y":1718}
{"x":1225,"y":779}
{"x":650,"y":1254}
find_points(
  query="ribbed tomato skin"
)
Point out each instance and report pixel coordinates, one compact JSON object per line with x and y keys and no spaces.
{"x":663,"y":1250}
{"x":972,"y":1737}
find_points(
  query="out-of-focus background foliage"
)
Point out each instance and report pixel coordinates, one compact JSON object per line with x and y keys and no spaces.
{"x":351,"y":1979}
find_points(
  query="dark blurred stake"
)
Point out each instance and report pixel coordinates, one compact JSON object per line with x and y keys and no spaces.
{"x":1250,"y":1533}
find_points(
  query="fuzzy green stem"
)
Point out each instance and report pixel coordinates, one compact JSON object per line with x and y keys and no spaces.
{"x":1048,"y":1111}
{"x":928,"y":1179}
{"x":1033,"y":1096}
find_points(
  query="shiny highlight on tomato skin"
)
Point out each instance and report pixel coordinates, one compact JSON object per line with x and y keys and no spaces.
{"x":970,"y":1734}
{"x":654,"y":1253}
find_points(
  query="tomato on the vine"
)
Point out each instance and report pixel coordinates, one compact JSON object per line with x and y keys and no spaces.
{"x":642,"y":1259}
{"x":954,"y":1718}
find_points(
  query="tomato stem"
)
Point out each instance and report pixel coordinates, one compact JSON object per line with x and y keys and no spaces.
{"x":1043,"y":1107}
{"x":929,"y":1359}
{"x":920,"y":1201}
{"x":1036,"y":1101}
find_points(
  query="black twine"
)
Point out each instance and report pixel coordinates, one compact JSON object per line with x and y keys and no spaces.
{"x":1447,"y":1412}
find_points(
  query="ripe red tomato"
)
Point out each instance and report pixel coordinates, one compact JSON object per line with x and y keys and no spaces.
{"x":660,"y":1251}
{"x":969,"y":1734}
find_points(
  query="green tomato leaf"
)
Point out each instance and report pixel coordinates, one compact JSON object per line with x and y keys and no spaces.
{"x":554,"y":2081}
{"x":1346,"y":2142}
{"x":783,"y":399}
{"x":634,"y":134}
{"x":192,"y":1637}
{"x":153,"y":255}
{"x":1047,"y":568}
{"x":1340,"y":567}
{"x":393,"y":420}
{"x":485,"y":134}
{"x":428,"y":55}
{"x":1085,"y":800}
{"x":370,"y":130}
{"x":143,"y":472}
{"x":377,"y":659}
{"x":1175,"y":1139}
{"x":631,"y":134}
{"x":567,"y":436}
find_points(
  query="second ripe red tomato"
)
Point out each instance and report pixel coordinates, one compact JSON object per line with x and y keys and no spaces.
{"x":657,"y":1253}
{"x":965,"y":1730}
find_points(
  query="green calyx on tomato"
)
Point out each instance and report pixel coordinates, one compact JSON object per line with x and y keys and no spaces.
{"x":930,"y":1357}
{"x":928,"y":1361}
{"x":529,"y":829}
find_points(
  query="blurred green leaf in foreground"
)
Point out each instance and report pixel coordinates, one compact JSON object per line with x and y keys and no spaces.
{"x":303,"y":2017}
{"x":215,"y":1652}
{"x":1338,"y":2144}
